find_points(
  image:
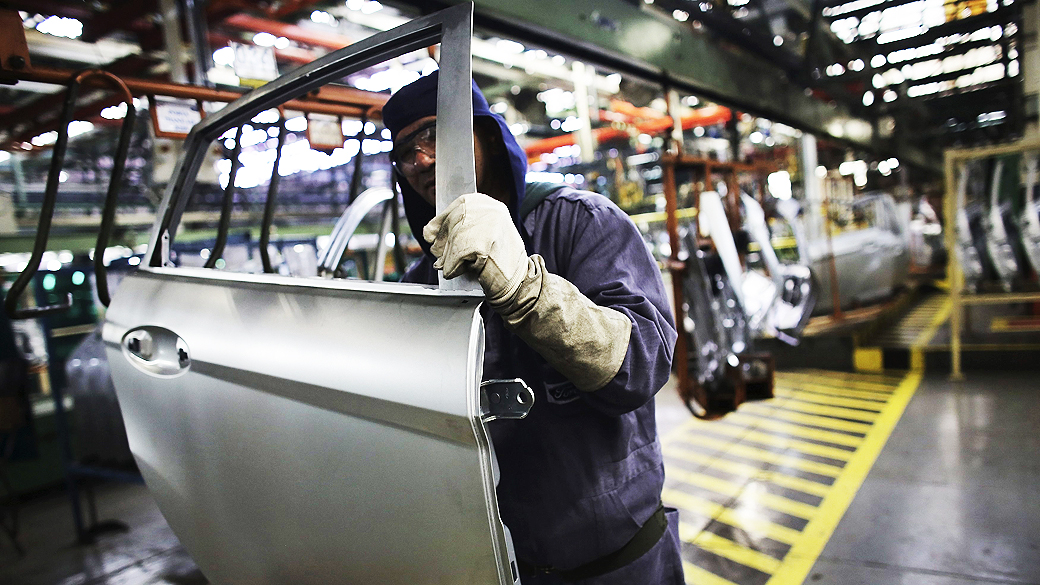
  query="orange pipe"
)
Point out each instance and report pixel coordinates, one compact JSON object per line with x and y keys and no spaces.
{"x":706,"y":116}
{"x":289,"y":31}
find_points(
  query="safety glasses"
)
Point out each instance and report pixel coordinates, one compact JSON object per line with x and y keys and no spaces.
{"x":422,"y":139}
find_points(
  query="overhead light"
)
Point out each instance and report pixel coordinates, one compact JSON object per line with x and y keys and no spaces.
{"x":877,"y":61}
{"x":59,"y":26}
{"x":224,"y":56}
{"x":264,"y":39}
{"x":322,"y":17}
{"x":778,"y":40}
{"x":116,"y":112}
{"x":509,"y":46}
{"x":779,"y":184}
{"x":297,"y":124}
{"x":889,"y":95}
{"x":680,"y":15}
{"x":370,"y":7}
{"x":281,"y":43}
{"x":868,"y":98}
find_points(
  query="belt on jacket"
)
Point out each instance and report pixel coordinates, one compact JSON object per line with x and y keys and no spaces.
{"x":643,"y":540}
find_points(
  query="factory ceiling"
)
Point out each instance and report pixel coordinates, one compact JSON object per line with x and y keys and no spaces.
{"x":902,"y":77}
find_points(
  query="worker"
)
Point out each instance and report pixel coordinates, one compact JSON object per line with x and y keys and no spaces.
{"x":575,"y":306}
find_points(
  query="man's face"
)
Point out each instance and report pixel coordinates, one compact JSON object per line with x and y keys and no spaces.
{"x":415,"y":155}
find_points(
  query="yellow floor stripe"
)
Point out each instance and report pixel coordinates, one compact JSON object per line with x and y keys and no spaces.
{"x":697,"y":576}
{"x":890,"y":380}
{"x":873,"y":406}
{"x":774,"y":441}
{"x":806,"y":419}
{"x":837,"y":411}
{"x":738,"y":450}
{"x":806,"y":550}
{"x":750,"y":523}
{"x":726,"y":548}
{"x":794,"y":430}
{"x":877,"y":397}
{"x":731,"y":489}
{"x":744,"y":470}
{"x":802,"y":376}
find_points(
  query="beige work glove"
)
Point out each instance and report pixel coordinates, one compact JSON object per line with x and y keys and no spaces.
{"x":476,"y":234}
{"x":583,"y":341}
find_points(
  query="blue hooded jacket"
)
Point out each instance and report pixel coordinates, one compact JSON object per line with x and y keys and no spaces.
{"x":583,"y":472}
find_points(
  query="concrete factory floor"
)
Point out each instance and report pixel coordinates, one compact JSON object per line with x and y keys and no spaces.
{"x":841,"y":479}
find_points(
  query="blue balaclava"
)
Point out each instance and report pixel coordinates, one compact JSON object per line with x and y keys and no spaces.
{"x":419,"y":100}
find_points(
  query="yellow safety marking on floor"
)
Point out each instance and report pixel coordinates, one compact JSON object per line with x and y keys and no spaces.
{"x":831,"y":400}
{"x":883,"y":381}
{"x":806,"y":419}
{"x":732,"y":490}
{"x":779,"y":478}
{"x":868,"y":359}
{"x":751,"y":524}
{"x":806,"y":550}
{"x":793,"y":429}
{"x":878,"y":397}
{"x":835,"y":411}
{"x":842,"y":380}
{"x":781,"y":442}
{"x":765,"y":456}
{"x":751,"y":507}
{"x":695,"y":575}
{"x":726,"y":548}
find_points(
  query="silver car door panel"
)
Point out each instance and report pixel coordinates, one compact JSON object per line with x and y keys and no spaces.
{"x":1030,"y":221}
{"x":314,"y":459}
{"x":997,"y":244}
{"x":314,"y":431}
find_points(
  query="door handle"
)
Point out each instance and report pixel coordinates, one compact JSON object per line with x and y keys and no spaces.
{"x":156,"y":350}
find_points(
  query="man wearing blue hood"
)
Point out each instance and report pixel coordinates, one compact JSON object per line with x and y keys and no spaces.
{"x":576,"y":307}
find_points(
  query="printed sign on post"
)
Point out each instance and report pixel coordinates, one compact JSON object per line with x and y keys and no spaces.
{"x":324,"y":132}
{"x":254,"y":65}
{"x":172,"y":117}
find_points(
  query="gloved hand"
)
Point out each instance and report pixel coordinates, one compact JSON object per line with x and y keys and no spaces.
{"x":583,"y":341}
{"x":476,"y":234}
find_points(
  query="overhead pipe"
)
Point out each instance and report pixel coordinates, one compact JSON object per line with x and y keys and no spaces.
{"x":339,"y":101}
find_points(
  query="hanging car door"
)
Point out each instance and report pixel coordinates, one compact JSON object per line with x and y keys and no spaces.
{"x":314,"y":431}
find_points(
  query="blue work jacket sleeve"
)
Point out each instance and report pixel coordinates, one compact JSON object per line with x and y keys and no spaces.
{"x":596,"y":247}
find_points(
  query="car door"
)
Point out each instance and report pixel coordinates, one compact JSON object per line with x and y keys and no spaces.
{"x":317,"y":431}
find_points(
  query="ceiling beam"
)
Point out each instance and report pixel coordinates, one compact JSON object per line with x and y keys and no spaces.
{"x":644,"y":43}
